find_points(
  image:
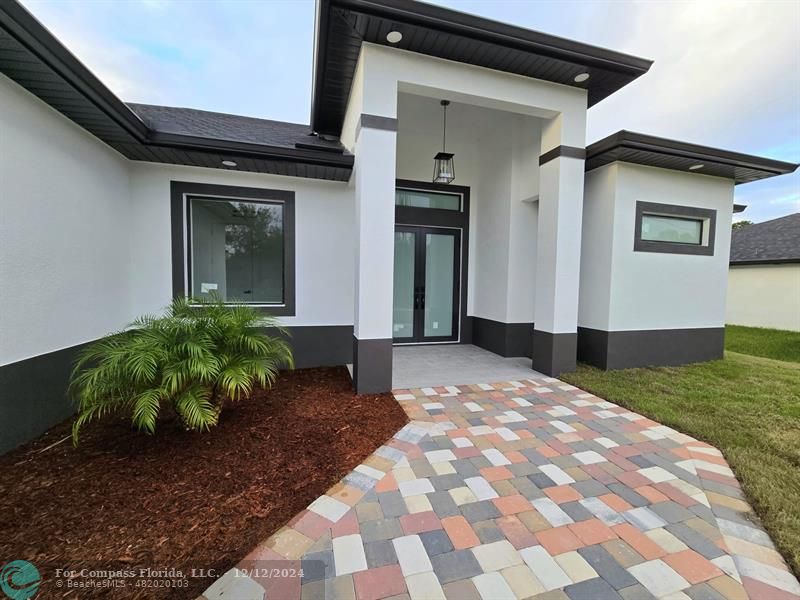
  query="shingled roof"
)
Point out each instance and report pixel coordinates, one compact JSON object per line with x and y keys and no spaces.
{"x":775,"y":241}
{"x":235,"y":128}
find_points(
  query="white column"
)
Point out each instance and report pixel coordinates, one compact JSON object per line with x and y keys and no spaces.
{"x":558,"y":257}
{"x":374,"y":182}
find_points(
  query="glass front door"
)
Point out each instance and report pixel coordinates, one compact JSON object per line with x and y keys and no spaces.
{"x":426,"y":284}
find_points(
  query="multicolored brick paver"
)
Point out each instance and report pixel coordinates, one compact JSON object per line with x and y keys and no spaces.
{"x":522,"y":489}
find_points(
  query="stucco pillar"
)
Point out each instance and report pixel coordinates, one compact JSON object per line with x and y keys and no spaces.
{"x":558,"y":257}
{"x":374,"y":182}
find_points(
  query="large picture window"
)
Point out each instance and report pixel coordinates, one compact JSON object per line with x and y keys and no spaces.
{"x":239,"y":245}
{"x":237,"y":250}
{"x":673,"y":229}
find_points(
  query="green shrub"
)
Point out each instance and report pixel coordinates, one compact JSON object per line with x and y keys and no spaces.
{"x":193,"y":359}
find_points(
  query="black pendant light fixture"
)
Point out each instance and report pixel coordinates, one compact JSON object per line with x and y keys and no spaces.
{"x":444,"y":170}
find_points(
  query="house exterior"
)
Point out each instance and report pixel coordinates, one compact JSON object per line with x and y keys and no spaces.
{"x":615,"y":253}
{"x":764,"y":275}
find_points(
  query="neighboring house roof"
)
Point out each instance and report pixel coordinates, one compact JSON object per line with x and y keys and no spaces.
{"x":775,"y":241}
{"x":36,"y":60}
{"x":641,"y":149}
{"x":343,"y":25}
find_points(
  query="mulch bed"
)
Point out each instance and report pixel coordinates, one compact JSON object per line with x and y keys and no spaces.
{"x":125,"y":500}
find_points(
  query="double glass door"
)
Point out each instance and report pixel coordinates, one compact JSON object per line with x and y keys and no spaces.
{"x":427,"y":265}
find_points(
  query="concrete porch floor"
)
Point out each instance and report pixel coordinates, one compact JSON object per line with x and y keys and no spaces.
{"x":454,"y":364}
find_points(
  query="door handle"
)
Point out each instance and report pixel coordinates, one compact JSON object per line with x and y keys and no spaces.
{"x":419,"y":298}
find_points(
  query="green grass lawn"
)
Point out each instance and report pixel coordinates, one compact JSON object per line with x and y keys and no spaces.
{"x":747,"y":406}
{"x":769,"y":343}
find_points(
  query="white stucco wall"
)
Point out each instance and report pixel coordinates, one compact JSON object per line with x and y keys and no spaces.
{"x":324,"y":239}
{"x":594,"y":304}
{"x":764,"y":296}
{"x":64,"y":223}
{"x":647,"y":290}
{"x":85,"y":234}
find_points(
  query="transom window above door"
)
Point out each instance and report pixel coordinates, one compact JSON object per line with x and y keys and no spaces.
{"x":427,"y":199}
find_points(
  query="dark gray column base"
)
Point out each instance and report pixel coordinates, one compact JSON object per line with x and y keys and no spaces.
{"x":649,"y":347}
{"x":372,"y":366}
{"x":505,"y":339}
{"x":554,"y":353}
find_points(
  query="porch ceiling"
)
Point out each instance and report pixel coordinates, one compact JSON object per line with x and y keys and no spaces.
{"x":342,"y":25}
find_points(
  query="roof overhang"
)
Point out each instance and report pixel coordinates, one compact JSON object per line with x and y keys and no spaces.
{"x":31,"y":56}
{"x":342,"y":26}
{"x":641,"y":149}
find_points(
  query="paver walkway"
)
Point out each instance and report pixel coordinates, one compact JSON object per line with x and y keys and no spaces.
{"x":524,"y":489}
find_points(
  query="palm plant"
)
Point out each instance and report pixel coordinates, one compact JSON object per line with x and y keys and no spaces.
{"x":193,"y":359}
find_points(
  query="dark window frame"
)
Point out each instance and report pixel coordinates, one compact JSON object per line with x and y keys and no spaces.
{"x":707,"y":216}
{"x":448,"y":219}
{"x":182,"y":192}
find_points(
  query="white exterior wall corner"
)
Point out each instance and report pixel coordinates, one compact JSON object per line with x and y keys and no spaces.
{"x":64,"y":230}
{"x":352,"y":115}
{"x":764,"y":296}
{"x":597,"y":267}
{"x":524,"y":219}
{"x":668,"y":291}
{"x":324,"y":239}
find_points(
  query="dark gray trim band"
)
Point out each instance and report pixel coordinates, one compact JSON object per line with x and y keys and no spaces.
{"x":640,"y":245}
{"x":34,"y":395}
{"x":320,"y":345}
{"x":649,"y":347}
{"x":27,"y":411}
{"x":372,"y":366}
{"x":180,"y":190}
{"x":565,"y":151}
{"x":378,"y":122}
{"x":554,"y":353}
{"x":766,"y":261}
{"x":505,"y":339}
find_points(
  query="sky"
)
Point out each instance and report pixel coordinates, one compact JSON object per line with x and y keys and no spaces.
{"x":726,"y":73}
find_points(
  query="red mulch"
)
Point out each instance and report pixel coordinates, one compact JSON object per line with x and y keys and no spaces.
{"x":185,"y":500}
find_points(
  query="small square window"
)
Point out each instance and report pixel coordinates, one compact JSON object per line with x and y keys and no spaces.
{"x":673,"y":229}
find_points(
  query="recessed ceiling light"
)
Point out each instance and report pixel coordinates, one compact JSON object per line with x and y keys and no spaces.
{"x":393,"y":37}
{"x":229,"y":163}
{"x":695,"y":167}
{"x":581,"y":77}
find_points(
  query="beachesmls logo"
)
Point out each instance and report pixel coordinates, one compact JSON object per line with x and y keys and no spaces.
{"x":19,"y":580}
